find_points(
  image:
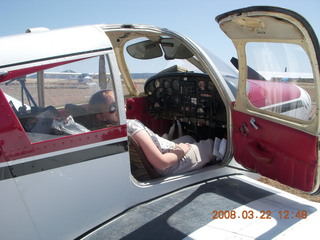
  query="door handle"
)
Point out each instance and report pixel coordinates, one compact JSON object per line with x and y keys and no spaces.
{"x":253,"y":123}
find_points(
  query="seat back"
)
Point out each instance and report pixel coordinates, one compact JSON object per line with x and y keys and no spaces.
{"x":140,"y":166}
{"x":40,"y":121}
{"x":79,"y":114}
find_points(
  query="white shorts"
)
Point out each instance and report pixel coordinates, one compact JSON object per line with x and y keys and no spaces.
{"x":199,"y":155}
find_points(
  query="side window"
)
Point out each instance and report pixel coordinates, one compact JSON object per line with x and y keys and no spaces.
{"x":284,"y":83}
{"x":59,"y":106}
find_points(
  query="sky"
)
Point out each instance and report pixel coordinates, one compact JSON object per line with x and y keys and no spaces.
{"x":193,"y":18}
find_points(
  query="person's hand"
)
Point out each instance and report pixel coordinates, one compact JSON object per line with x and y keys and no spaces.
{"x":185,"y":147}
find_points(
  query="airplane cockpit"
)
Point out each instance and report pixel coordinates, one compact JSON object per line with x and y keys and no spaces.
{"x":178,"y":96}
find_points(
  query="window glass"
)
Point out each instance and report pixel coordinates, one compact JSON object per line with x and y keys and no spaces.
{"x":63,"y":110}
{"x":142,"y":69}
{"x":280,"y":79}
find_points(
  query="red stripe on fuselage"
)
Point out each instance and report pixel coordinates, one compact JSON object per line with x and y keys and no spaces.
{"x":13,"y":150}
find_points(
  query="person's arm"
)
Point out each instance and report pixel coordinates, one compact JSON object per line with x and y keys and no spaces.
{"x":153,"y":154}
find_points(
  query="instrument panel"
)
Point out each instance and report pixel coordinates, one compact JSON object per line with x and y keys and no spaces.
{"x":187,"y":97}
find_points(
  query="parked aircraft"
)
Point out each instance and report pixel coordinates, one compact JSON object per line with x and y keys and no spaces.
{"x":85,"y":78}
{"x":61,"y":180}
{"x":69,"y":75}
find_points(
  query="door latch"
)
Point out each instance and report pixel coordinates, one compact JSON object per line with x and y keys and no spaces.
{"x":244,"y":129}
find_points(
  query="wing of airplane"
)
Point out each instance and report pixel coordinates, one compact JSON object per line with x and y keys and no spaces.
{"x":232,"y":207}
{"x":63,"y":177}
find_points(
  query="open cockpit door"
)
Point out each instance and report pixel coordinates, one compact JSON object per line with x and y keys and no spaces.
{"x":276,"y":117}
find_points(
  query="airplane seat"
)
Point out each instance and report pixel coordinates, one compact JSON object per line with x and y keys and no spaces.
{"x":79,"y":114}
{"x":40,"y":121}
{"x":47,"y":121}
{"x":141,"y":168}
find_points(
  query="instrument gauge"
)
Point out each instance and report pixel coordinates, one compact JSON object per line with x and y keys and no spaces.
{"x":158,"y":94}
{"x":157,"y":83}
{"x":200,"y":110}
{"x":210,"y":85}
{"x":176,"y":85}
{"x":202,"y":85}
{"x":166,"y":84}
{"x":150,"y":88}
{"x":176,"y":99}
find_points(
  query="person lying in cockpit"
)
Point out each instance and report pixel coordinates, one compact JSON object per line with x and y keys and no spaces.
{"x":167,"y":157}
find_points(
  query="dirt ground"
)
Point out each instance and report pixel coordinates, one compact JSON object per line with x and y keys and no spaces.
{"x":290,"y":190}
